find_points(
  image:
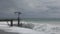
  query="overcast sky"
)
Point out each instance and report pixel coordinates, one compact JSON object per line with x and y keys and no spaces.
{"x":30,"y":8}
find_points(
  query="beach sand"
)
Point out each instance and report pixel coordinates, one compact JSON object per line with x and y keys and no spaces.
{"x":3,"y":32}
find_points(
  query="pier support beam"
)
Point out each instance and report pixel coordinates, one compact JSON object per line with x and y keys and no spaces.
{"x":11,"y":23}
{"x":18,"y":22}
{"x":18,"y":17}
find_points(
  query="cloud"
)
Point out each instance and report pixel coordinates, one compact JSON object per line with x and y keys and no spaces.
{"x":32,"y":8}
{"x":43,"y":8}
{"x":6,"y":8}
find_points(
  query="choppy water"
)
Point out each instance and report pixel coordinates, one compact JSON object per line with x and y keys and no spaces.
{"x":47,"y":26}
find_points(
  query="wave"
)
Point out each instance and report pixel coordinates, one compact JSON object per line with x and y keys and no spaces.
{"x":43,"y":27}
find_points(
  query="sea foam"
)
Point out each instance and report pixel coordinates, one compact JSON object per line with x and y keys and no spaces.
{"x":47,"y":28}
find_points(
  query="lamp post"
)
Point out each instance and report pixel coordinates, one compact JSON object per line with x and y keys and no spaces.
{"x":18,"y":17}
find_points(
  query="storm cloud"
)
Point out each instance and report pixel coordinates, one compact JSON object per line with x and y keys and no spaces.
{"x":31,"y":8}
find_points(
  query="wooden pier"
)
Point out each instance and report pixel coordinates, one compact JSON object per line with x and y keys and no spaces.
{"x":11,"y":21}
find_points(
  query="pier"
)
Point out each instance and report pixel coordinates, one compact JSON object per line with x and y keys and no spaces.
{"x":11,"y":21}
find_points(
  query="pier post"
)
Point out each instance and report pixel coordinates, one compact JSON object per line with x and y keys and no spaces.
{"x":18,"y":17}
{"x":18,"y":20}
{"x":11,"y":23}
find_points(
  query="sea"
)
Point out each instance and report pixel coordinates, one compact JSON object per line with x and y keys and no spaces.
{"x":43,"y":25}
{"x":42,"y":20}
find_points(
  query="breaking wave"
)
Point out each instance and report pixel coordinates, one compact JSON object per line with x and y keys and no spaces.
{"x":43,"y":27}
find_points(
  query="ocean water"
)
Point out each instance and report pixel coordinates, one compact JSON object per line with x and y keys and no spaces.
{"x":47,"y":26}
{"x":40,"y":20}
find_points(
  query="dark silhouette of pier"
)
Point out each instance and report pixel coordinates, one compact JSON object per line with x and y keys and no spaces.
{"x":11,"y":21}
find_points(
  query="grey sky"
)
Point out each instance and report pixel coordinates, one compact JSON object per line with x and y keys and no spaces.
{"x":32,"y":8}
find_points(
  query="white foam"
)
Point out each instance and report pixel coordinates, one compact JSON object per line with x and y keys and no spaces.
{"x":39,"y":28}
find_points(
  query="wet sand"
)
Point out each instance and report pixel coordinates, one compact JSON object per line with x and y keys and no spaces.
{"x":3,"y":32}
